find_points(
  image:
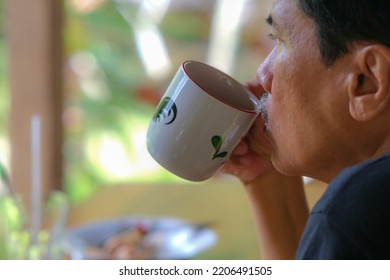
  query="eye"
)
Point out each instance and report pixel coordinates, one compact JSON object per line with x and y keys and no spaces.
{"x":275,"y":39}
{"x":272,"y":37}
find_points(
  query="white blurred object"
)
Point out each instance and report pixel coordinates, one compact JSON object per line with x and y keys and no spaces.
{"x":91,"y":77}
{"x":225,"y":34}
{"x":36,"y":186}
{"x":307,"y":180}
{"x":150,"y":43}
{"x":172,"y":238}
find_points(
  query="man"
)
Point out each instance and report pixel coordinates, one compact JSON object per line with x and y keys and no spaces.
{"x":327,"y":116}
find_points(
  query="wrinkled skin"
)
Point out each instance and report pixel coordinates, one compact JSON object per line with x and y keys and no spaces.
{"x":309,"y":131}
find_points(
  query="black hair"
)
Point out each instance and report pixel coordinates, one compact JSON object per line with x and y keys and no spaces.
{"x":343,"y":22}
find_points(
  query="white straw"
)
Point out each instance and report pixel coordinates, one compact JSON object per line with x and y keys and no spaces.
{"x":36,"y":192}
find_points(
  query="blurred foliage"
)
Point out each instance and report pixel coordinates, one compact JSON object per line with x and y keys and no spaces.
{"x":110,"y":107}
{"x":104,"y":85}
{"x":104,"y":36}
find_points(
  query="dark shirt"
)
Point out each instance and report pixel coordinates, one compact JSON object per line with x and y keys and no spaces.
{"x":352,"y":218}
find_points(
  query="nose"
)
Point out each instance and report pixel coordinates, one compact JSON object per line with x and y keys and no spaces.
{"x":264,"y":72}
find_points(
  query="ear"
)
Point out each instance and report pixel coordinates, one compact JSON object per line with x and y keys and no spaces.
{"x":369,"y":87}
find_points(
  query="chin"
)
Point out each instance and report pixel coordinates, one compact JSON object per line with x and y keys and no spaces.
{"x":283,"y":168}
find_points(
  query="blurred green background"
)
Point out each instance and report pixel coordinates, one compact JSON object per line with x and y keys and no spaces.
{"x":119,"y":58}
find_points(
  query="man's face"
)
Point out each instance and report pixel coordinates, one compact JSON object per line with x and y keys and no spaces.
{"x":307,"y":105}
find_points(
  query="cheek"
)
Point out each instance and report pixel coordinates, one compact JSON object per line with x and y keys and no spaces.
{"x":280,"y":113}
{"x":294,"y":91}
{"x":291,"y":120}
{"x":293,"y":99}
{"x":291,"y":129}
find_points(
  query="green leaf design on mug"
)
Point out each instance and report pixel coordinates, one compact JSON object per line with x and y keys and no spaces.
{"x":167,"y":108}
{"x":217,"y":143}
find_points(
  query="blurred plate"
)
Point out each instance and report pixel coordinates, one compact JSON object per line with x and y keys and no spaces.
{"x":171,"y":238}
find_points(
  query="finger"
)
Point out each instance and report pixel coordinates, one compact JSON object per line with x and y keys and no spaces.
{"x":245,"y":160}
{"x":241,"y":149}
{"x":238,"y":163}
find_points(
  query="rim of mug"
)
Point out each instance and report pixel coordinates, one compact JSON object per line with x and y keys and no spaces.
{"x":256,"y":110}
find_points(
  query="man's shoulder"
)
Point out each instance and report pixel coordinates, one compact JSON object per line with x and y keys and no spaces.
{"x":371,"y":171}
{"x":350,"y":221}
{"x":361,"y":183}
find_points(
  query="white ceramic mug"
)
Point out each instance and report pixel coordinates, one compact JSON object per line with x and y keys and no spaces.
{"x":199,"y":121}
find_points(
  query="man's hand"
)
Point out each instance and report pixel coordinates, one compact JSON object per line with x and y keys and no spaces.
{"x":251,"y":157}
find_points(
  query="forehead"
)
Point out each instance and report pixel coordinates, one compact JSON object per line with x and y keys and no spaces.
{"x":292,"y":23}
{"x":287,"y":16}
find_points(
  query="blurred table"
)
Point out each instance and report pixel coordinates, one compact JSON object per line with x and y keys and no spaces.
{"x":222,"y":201}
